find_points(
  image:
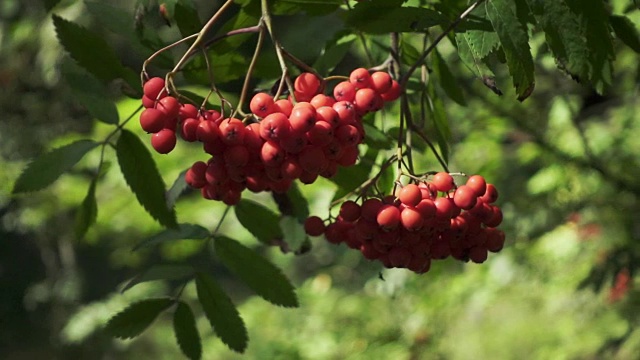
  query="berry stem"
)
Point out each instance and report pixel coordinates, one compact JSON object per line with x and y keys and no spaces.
{"x":266,"y":18}
{"x":403,"y":81}
{"x":363,"y":188}
{"x":252,"y":65}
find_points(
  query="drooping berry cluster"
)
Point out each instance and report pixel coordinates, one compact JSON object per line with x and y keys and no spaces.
{"x":282,"y":142}
{"x":424,"y":222}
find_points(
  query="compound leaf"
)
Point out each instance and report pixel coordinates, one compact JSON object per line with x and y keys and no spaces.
{"x":182,"y":232}
{"x":47,"y":168}
{"x":260,"y":275}
{"x":221,"y":313}
{"x":133,"y":320}
{"x":626,"y":31}
{"x":142,"y":176}
{"x":260,"y":221}
{"x":187,"y":336}
{"x":88,"y":212}
{"x":160,"y":272}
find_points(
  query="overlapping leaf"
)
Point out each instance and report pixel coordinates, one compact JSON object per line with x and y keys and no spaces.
{"x":184,"y":327}
{"x":87,"y":212}
{"x":260,"y":221}
{"x":133,"y":320}
{"x":160,"y":272}
{"x":182,"y":232}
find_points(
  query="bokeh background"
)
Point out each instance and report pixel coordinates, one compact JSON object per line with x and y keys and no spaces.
{"x":566,"y":163}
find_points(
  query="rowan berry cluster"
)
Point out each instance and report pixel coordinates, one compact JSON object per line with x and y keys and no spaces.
{"x":283,"y":140}
{"x":430,"y":220}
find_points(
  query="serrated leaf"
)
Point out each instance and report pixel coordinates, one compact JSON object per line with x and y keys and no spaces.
{"x":87,"y":212}
{"x":334,"y":51}
{"x":260,"y":221}
{"x":446,"y":79}
{"x":187,"y":18}
{"x":182,"y":232}
{"x":221,"y":313}
{"x":48,"y":167}
{"x":515,"y":44}
{"x":187,"y":336}
{"x":92,"y":52}
{"x":564,"y":35}
{"x":143,"y":178}
{"x":626,"y":31}
{"x":91,"y":93}
{"x":373,"y":19}
{"x":476,"y":64}
{"x":133,"y":320}
{"x":178,"y":188}
{"x":160,"y":272}
{"x":260,"y":275}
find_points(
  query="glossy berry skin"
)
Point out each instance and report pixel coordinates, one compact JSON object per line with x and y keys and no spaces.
{"x":153,"y":87}
{"x":232,"y":131}
{"x":381,"y":82}
{"x":306,"y":85}
{"x":314,"y":226}
{"x":478,"y":184}
{"x":393,"y":93}
{"x":169,"y":106}
{"x":442,"y":181}
{"x":344,"y":91}
{"x":388,"y":217}
{"x":411,"y":219}
{"x":465,"y":197}
{"x":152,"y":120}
{"x":189,"y":129}
{"x":274,"y":127}
{"x":410,"y":195}
{"x":164,"y":141}
{"x":350,"y":211}
{"x":360,"y":77}
{"x":262,"y":104}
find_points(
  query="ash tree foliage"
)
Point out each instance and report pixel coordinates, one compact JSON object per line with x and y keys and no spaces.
{"x":298,"y":117}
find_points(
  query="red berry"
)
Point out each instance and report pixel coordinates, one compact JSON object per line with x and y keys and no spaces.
{"x":188,"y":111}
{"x":321,"y":134}
{"x":262,"y":104}
{"x":190,"y":129}
{"x":427,"y":208}
{"x":388,"y":217}
{"x":410,"y":195}
{"x":252,"y":138}
{"x":170,"y":106}
{"x":207,"y":131}
{"x":148,"y":102}
{"x":272,"y":154}
{"x":478,"y":184}
{"x":195,"y":175}
{"x":274,"y":127}
{"x":442,"y":181}
{"x":152,"y":120}
{"x":370,"y":209}
{"x":307,"y":85}
{"x":347,"y":135}
{"x":164,"y":141}
{"x":346,"y":112}
{"x":444,"y":208}
{"x":302,"y":117}
{"x":465,"y":197}
{"x":329,"y":115}
{"x":321,"y":100}
{"x":232,"y":131}
{"x":314,"y":226}
{"x":350,"y":211}
{"x":478,"y":254}
{"x":284,"y":106}
{"x":291,"y":168}
{"x":411,"y":219}
{"x":312,"y":159}
{"x":393,"y":93}
{"x":381,"y":82}
{"x":399,"y":257}
{"x":344,"y":91}
{"x":491,"y":194}
{"x":349,"y":156}
{"x":236,"y":156}
{"x":153,"y":87}
{"x":360,"y":77}
{"x":367,"y":100}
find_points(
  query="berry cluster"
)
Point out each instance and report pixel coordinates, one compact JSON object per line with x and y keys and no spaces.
{"x":283,"y":140}
{"x":417,"y":226}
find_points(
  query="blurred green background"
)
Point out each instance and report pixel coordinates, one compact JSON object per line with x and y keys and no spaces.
{"x":566,"y":163}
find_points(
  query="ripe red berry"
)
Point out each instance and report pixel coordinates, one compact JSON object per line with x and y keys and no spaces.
{"x":360,"y":77}
{"x":188,"y":111}
{"x":478,"y":254}
{"x":411,"y":219}
{"x":491,"y":194}
{"x":252,"y":138}
{"x":388,"y":217}
{"x":478,"y":184}
{"x":347,"y":135}
{"x":381,"y":82}
{"x":291,"y":168}
{"x":350,"y":211}
{"x":207,"y":131}
{"x":321,"y":134}
{"x":170,"y":106}
{"x":302,"y":117}
{"x":314,"y":226}
{"x":307,"y":85}
{"x":328,"y":115}
{"x":189,"y":130}
{"x":232,"y":131}
{"x":262,"y":104}
{"x":410,"y":195}
{"x":349,"y":156}
{"x":164,"y":141}
{"x":274,"y":127}
{"x":399,"y":257}
{"x":153,"y":87}
{"x":272,"y":154}
{"x":195,"y":177}
{"x":367,"y":100}
{"x":152,"y":120}
{"x":465,"y":197}
{"x":236,"y":156}
{"x":321,"y":100}
{"x":393,"y":93}
{"x":284,"y":106}
{"x":344,"y":91}
{"x":442,"y":181}
{"x":312,"y":159}
{"x":346,"y":112}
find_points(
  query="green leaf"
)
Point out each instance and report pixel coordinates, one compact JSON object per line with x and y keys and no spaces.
{"x":178,"y":188}
{"x":349,"y":178}
{"x":299,"y":202}
{"x":334,"y":51}
{"x":182,"y":232}
{"x":376,"y":138}
{"x":143,"y":178}
{"x":438,"y":114}
{"x":225,"y":67}
{"x":313,"y":7}
{"x":184,"y":327}
{"x":87,"y":213}
{"x":91,"y":93}
{"x":260,"y":221}
{"x":242,"y":20}
{"x":626,"y":31}
{"x":564,"y":35}
{"x":294,"y":235}
{"x":476,"y":64}
{"x":160,"y":272}
{"x":50,"y":4}
{"x":92,"y":52}
{"x":515,"y":44}
{"x":221,"y":312}
{"x":47,"y":168}
{"x":446,"y":79}
{"x":259,"y":274}
{"x":371,"y":18}
{"x":133,"y":320}
{"x":187,"y":18}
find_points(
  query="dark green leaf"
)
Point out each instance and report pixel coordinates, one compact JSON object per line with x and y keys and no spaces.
{"x":160,"y":272}
{"x":294,"y":235}
{"x":184,"y":327}
{"x":50,"y":4}
{"x":376,"y":138}
{"x":475,"y":63}
{"x":515,"y":43}
{"x":438,"y":115}
{"x":259,"y":274}
{"x":260,"y":221}
{"x":182,"y":232}
{"x":143,"y":178}
{"x":242,"y":20}
{"x":333,"y":52}
{"x":87,"y":213}
{"x":178,"y":188}
{"x":91,"y":93}
{"x":349,"y":178}
{"x":225,"y":67}
{"x":221,"y":312}
{"x":373,"y":19}
{"x":187,"y":19}
{"x":133,"y":320}
{"x":313,"y":7}
{"x":47,"y":168}
{"x":626,"y":31}
{"x":446,"y":79}
{"x":564,"y":35}
{"x":92,"y":52}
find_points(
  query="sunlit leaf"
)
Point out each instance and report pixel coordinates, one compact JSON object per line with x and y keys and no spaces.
{"x":259,"y":274}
